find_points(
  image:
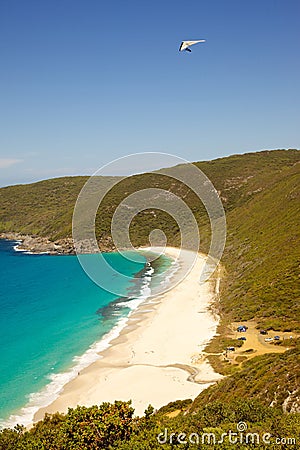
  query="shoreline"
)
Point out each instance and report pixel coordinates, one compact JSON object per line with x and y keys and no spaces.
{"x":47,"y":394}
{"x":40,"y":245}
{"x":157,"y":357}
{"x":35,"y":244}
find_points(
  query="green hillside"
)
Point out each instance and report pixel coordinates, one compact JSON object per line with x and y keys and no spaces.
{"x":260,"y":193}
{"x":262,"y":256}
{"x":260,"y":281}
{"x":45,"y":208}
{"x":273,"y":379}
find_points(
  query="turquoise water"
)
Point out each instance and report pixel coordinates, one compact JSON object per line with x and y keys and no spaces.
{"x":52,"y":315}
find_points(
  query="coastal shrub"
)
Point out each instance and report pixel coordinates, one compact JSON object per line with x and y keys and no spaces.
{"x":112,"y":426}
{"x":10,"y":439}
{"x":97,"y":426}
{"x":174,"y":406}
{"x":46,"y":433}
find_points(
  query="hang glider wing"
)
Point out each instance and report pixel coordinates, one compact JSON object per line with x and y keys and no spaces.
{"x":186,"y":44}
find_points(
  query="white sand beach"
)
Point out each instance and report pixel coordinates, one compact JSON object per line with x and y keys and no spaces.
{"x":156,"y":358}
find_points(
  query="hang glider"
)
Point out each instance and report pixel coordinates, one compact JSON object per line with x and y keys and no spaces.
{"x":184,"y":46}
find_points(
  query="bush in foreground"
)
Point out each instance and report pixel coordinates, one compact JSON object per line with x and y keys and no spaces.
{"x":112,"y":426}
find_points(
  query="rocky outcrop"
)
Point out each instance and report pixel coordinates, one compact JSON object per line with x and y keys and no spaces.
{"x":38,"y":244}
{"x":65,"y":246}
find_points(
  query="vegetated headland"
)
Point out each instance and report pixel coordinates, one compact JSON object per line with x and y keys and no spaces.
{"x":259,"y":281}
{"x":260,"y":194}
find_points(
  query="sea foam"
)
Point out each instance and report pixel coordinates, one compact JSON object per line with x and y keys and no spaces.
{"x":57,"y":381}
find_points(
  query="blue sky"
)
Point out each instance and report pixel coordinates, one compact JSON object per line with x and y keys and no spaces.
{"x":83,"y":82}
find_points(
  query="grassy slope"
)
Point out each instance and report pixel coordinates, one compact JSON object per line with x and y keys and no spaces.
{"x":44,"y":208}
{"x":262,"y":256}
{"x":273,"y":379}
{"x":260,"y":192}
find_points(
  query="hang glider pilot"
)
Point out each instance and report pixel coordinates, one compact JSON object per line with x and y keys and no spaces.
{"x":185,"y":45}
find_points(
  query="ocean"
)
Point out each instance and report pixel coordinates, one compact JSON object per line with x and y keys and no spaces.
{"x":54,"y":321}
